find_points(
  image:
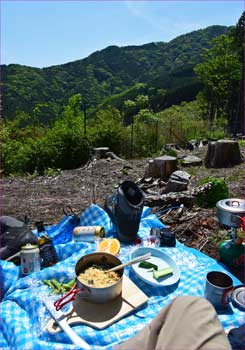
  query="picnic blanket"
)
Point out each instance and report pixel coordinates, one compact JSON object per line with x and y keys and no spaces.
{"x":24,"y":316}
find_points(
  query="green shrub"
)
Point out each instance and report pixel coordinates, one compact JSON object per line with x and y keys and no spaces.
{"x":13,"y":159}
{"x":219,"y":190}
{"x":107,"y":137}
{"x":107,"y":130}
{"x":170,"y":152}
{"x":63,"y":149}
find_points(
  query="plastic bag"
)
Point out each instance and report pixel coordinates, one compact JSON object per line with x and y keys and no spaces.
{"x":14,"y":234}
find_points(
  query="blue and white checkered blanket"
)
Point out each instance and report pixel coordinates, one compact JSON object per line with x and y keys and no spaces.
{"x":24,"y":316}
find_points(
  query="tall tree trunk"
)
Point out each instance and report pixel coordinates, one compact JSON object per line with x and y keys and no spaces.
{"x":132,"y":138}
{"x":239,"y":120}
{"x":156,"y":135}
{"x":211,"y":113}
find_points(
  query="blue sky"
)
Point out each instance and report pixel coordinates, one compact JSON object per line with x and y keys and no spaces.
{"x":46,"y":33}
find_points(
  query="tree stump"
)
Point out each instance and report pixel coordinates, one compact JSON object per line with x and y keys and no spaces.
{"x":223,"y":154}
{"x":161,"y":167}
{"x":100,"y":152}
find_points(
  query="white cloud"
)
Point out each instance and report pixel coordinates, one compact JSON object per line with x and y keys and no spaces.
{"x":142,"y":10}
{"x":154,"y":15}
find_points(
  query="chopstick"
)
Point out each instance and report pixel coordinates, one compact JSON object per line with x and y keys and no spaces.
{"x":131,"y":262}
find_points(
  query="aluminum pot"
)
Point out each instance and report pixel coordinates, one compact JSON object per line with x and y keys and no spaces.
{"x":231,"y":211}
{"x":96,"y":295}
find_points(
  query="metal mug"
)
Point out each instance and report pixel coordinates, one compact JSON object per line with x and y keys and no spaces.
{"x":218,"y":289}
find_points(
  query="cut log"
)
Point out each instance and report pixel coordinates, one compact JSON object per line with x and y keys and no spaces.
{"x":191,"y":161}
{"x":223,"y":154}
{"x":171,"y":198}
{"x":112,"y":155}
{"x":178,"y":181}
{"x":161,"y":167}
{"x":175,"y":186}
{"x":171,"y":146}
{"x":174,"y":198}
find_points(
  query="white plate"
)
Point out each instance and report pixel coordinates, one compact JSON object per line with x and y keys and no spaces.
{"x":160,"y":259}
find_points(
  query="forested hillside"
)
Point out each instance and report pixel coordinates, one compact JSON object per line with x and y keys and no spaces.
{"x":165,"y":69}
{"x":133,"y":99}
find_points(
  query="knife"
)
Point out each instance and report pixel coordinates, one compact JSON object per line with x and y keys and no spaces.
{"x":60,"y":318}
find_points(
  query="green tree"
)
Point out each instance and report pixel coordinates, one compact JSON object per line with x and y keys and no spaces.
{"x":237,"y":37}
{"x":178,"y":124}
{"x":73,"y":108}
{"x":147,"y":124}
{"x":130,"y":109}
{"x":142,"y":101}
{"x":76,"y":107}
{"x":222,"y":76}
{"x":107,"y":130}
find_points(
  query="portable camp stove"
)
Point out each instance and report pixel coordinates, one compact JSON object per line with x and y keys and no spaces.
{"x":231,"y":213}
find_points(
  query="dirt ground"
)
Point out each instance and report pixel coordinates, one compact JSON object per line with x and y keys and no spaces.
{"x":45,"y":197}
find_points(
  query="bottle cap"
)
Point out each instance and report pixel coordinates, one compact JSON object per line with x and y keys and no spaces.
{"x":100,"y":231}
{"x":29,"y":246}
{"x":40,"y":226}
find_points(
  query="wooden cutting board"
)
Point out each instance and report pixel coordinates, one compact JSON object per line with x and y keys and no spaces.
{"x":101,"y":316}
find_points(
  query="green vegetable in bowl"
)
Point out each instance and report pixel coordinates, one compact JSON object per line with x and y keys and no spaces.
{"x":162,"y":272}
{"x":148,"y":265}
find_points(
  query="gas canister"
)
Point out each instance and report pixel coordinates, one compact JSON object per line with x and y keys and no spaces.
{"x":88,"y":233}
{"x":30,"y":259}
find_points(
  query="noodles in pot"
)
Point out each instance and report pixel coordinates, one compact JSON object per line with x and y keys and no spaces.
{"x":97,"y":277}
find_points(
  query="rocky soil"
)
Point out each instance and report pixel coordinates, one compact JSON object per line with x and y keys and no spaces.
{"x":45,"y":197}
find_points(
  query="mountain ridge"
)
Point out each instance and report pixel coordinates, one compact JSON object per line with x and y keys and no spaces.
{"x":103,"y":73}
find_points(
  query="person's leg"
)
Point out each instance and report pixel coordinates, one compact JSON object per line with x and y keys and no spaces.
{"x":187,"y":323}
